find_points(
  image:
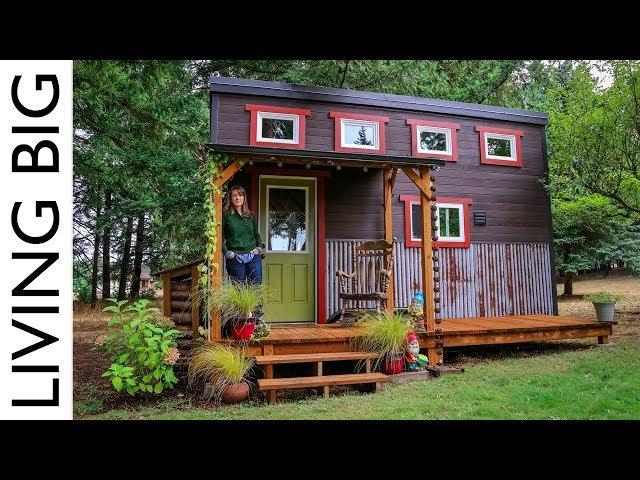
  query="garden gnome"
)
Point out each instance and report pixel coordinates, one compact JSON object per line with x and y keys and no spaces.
{"x":412,"y":352}
{"x":416,"y":309}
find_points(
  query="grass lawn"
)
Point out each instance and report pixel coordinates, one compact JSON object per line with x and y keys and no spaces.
{"x":595,"y":382}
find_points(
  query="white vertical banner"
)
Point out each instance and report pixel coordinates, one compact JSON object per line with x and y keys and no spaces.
{"x":36,"y":122}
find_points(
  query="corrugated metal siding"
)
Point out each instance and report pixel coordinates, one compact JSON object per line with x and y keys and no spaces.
{"x":486,"y":279}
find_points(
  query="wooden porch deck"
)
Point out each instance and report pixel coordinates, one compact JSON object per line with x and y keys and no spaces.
{"x":311,"y":338}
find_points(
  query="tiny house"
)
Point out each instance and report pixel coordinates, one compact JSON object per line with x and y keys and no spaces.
{"x":455,"y":188}
{"x":494,"y":214}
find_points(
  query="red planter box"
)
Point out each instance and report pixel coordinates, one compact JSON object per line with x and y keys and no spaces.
{"x":394,"y":365}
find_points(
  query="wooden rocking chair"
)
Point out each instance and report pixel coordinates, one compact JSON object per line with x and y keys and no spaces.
{"x":372,"y":263}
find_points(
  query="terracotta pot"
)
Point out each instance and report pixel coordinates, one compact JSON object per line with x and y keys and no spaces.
{"x":242,"y":328}
{"x":235,"y":393}
{"x":393,"y":364}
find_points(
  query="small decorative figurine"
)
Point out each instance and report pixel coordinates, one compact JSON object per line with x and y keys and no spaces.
{"x":416,"y":309}
{"x":423,"y":361}
{"x":412,"y":353}
{"x":262,"y":330}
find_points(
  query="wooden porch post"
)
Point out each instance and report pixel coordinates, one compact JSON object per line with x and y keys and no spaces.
{"x":427,"y":254}
{"x":215,"y":270}
{"x":389,"y":177}
{"x":425,"y":184}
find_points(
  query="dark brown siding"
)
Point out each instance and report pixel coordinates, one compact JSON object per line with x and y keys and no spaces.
{"x":513,"y":198}
{"x":354,"y":204}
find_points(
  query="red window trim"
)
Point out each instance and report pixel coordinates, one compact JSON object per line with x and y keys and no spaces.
{"x":338,"y":116}
{"x":454,"y":127}
{"x":483,"y":130}
{"x":302,"y":114}
{"x":408,"y":199}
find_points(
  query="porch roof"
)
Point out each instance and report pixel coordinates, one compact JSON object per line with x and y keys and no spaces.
{"x":306,"y":156}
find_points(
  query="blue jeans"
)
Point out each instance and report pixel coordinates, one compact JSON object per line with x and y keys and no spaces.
{"x":243,"y":272}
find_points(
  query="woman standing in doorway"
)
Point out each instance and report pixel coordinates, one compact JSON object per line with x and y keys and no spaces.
{"x":242,"y":247}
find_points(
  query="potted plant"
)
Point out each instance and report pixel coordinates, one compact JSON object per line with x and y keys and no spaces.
{"x":385,"y":334}
{"x":224,"y":370}
{"x":604,"y":303}
{"x":237,"y":303}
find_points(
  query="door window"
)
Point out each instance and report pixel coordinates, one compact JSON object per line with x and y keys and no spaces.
{"x":286,"y":219}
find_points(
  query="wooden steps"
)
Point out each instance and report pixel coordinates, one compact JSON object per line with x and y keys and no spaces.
{"x":314,"y":357}
{"x":271,"y":384}
{"x":321,"y":381}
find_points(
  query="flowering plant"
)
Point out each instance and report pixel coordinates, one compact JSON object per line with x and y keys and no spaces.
{"x":143,"y":348}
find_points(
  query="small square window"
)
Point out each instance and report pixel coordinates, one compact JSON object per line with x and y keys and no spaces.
{"x":500,"y":147}
{"x":451,"y":218}
{"x":450,"y":224}
{"x":434,"y":140}
{"x":431,"y":139}
{"x":360,"y":134}
{"x":278,"y":127}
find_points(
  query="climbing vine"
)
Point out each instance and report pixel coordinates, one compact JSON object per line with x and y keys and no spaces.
{"x":210,"y":170}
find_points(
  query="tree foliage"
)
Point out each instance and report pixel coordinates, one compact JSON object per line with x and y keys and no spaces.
{"x":139,"y":127}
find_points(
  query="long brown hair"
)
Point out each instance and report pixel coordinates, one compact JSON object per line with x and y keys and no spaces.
{"x":230,"y":207}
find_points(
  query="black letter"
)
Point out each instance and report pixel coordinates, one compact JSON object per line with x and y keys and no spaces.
{"x":19,"y":290}
{"x":46,"y":339}
{"x":35,"y":166}
{"x":35,"y":309}
{"x":39,"y":79}
{"x":39,"y":206}
{"x":54,"y":402}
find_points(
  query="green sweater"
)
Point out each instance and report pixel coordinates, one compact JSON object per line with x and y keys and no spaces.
{"x":240,"y":233}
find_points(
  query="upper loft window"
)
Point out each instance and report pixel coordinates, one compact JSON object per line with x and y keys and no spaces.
{"x":277,"y":127}
{"x":434,"y":139}
{"x":452,"y":218}
{"x":499,"y":146}
{"x":359,"y":133}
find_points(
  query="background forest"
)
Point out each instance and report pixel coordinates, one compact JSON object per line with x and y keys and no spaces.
{"x":138,"y":126}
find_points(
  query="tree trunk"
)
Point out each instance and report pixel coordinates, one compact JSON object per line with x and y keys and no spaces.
{"x":96,"y":253}
{"x":124,"y":267}
{"x":568,"y":284}
{"x":106,"y":244}
{"x":137,"y":257}
{"x":568,"y":276}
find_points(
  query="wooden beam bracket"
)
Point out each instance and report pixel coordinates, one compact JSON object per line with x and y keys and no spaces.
{"x":422,"y":185}
{"x":229,"y":171}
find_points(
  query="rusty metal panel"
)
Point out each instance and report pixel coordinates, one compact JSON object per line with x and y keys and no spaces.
{"x":485,"y":279}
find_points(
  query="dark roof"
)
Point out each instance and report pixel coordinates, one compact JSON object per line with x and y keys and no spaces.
{"x":384,"y":100}
{"x":176,"y":267}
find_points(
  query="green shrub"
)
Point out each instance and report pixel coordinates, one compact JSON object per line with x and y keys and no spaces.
{"x":602,"y":297}
{"x":142,"y":347}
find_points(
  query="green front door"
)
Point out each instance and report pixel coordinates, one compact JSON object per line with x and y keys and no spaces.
{"x":287,"y":224}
